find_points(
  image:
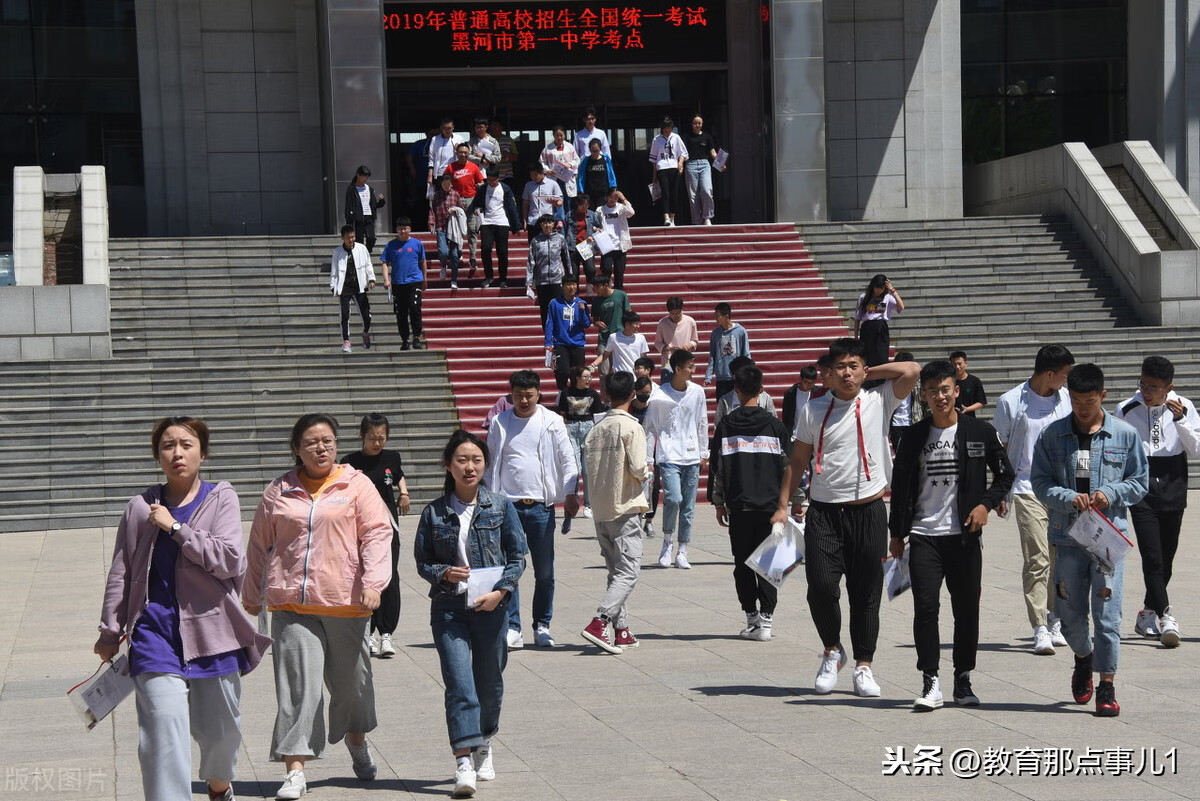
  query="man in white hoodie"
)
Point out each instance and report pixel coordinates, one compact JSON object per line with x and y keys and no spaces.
{"x":533,"y":464}
{"x":350,"y":276}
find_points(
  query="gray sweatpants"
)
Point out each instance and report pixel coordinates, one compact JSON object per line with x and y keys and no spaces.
{"x":168,"y":708}
{"x":621,"y":544}
{"x":309,"y":648}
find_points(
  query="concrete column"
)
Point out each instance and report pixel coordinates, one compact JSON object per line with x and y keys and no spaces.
{"x":751,"y":165}
{"x":28,"y":240}
{"x":93,"y":189}
{"x":798,"y":140}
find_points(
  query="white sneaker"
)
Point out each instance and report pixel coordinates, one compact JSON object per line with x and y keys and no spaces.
{"x":681,"y":559}
{"x":827,"y":676}
{"x":360,"y":755}
{"x":542,"y":638}
{"x":481,"y":758}
{"x":586,"y":513}
{"x":293,"y":787}
{"x":708,"y":221}
{"x":1169,"y":629}
{"x":864,"y":682}
{"x":760,"y":629}
{"x":516,"y":640}
{"x":454,"y":285}
{"x":464,"y":781}
{"x":931,"y":695}
{"x":1147,"y":624}
{"x":664,"y":556}
{"x":752,"y":625}
{"x":386,"y":649}
{"x":1056,"y":636}
{"x":373,"y":645}
{"x":346,"y":346}
{"x":1042,"y":646}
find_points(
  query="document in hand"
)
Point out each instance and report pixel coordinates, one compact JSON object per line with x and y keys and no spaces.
{"x":655,"y":192}
{"x":480,"y":582}
{"x":485,"y":147}
{"x":1097,"y":535}
{"x":584,"y":249}
{"x":895,"y":574}
{"x":97,"y":696}
{"x":779,"y":554}
{"x":721,"y":159}
{"x":605,"y":242}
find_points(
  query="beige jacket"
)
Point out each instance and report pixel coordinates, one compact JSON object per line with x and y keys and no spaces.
{"x":615,"y":450}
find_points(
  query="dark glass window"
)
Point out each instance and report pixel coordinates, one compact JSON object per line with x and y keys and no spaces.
{"x":1041,"y":72}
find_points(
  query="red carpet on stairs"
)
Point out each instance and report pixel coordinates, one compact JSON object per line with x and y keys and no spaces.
{"x":763,"y":271}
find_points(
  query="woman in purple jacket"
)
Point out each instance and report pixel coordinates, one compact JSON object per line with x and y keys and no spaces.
{"x":174,"y":590}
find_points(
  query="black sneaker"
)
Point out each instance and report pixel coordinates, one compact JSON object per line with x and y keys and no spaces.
{"x":366,"y":340}
{"x":566,"y":524}
{"x":963,"y":694}
{"x":1081,"y":680}
{"x":405,"y":346}
{"x":1106,"y":700}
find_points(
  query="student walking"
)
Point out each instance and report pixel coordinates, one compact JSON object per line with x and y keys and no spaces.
{"x":748,"y":463}
{"x":567,"y":322}
{"x":676,"y":330}
{"x":940,"y":503}
{"x":876,"y":306}
{"x":405,"y":279}
{"x":727,"y":342}
{"x":614,"y":216}
{"x":667,"y":155}
{"x":470,"y":528}
{"x":579,"y":404}
{"x":615,"y":451}
{"x":350,"y":277}
{"x":971,"y":397}
{"x":1090,"y":460}
{"x":361,"y":206}
{"x":549,"y":262}
{"x":496,"y":206}
{"x":448,"y":221}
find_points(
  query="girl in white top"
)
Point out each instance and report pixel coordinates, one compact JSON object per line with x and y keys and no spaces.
{"x":667,"y":154}
{"x":562,"y":162}
{"x":875,"y":307}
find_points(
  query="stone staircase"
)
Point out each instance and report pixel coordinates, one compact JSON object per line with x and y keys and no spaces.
{"x":240,"y":332}
{"x":998,"y":288}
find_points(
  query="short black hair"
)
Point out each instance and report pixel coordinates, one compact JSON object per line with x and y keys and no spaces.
{"x":492,"y":171}
{"x":738,"y":362}
{"x":938,"y":371}
{"x":362,"y":170}
{"x":570,"y":278}
{"x":524,"y":379}
{"x":630,"y":317}
{"x":1159,"y":367}
{"x":723,"y":309}
{"x":347,"y":229}
{"x":824,"y":360}
{"x":445,"y":177}
{"x":903,"y":356}
{"x":1052,"y":358}
{"x":674,"y":302}
{"x":482,"y":121}
{"x":748,"y":380}
{"x":619,"y":386}
{"x":612,"y":190}
{"x":1085,"y":378}
{"x":681,"y":357}
{"x":846,"y":346}
{"x":537,"y":166}
{"x":373,"y":420}
{"x":600,"y":279}
{"x":402,"y":222}
{"x":545,"y":218}
{"x":581,"y":198}
{"x":642,"y":382}
{"x":644,"y":361}
{"x":808,"y":372}
{"x":446,"y":120}
{"x":957,"y":354}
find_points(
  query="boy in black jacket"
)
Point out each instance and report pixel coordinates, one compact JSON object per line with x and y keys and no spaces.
{"x":941,"y":497}
{"x":749,"y":460}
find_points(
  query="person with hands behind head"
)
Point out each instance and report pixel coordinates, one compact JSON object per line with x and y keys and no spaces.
{"x":940,"y":503}
{"x":179,"y":547}
{"x":876,"y":306}
{"x":318,"y":561}
{"x":470,"y":528}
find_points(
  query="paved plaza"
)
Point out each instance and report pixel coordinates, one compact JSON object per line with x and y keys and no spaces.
{"x":694,"y":713}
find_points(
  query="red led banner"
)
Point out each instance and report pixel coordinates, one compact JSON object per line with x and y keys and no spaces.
{"x":552,"y":34}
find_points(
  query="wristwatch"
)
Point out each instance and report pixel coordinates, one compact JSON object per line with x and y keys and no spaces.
{"x":175,"y":527}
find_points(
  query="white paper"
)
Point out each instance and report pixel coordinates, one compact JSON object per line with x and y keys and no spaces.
{"x":485,"y":147}
{"x":778,"y":555}
{"x":720,"y":160}
{"x":529,"y":293}
{"x":605,"y":242}
{"x":1097,"y":535}
{"x":896,"y":577}
{"x":584,"y":249}
{"x":550,"y":359}
{"x":655,"y":192}
{"x":100,"y":695}
{"x":480,"y":582}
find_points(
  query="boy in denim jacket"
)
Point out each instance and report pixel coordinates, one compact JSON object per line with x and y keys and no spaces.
{"x":1089,"y":460}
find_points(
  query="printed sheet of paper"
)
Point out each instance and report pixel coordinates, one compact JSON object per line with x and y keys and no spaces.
{"x":97,"y":697}
{"x":721,"y":160}
{"x":605,"y":242}
{"x":1096,"y":534}
{"x":896,"y":577}
{"x":480,"y":582}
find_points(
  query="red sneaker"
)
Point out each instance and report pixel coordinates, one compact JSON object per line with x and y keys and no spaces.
{"x":597,"y":634}
{"x":1106,"y":701}
{"x":625,"y":639}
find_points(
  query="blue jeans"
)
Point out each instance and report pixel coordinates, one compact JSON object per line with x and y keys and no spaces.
{"x":473,"y":652}
{"x":679,"y":482}
{"x":538,"y":522}
{"x":449,"y":254}
{"x":1081,"y":589}
{"x":698,"y":174}
{"x":577,"y":431}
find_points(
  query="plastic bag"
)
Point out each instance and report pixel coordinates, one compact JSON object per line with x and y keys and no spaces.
{"x":779,"y":554}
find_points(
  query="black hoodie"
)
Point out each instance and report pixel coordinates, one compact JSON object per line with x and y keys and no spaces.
{"x":750,"y":451}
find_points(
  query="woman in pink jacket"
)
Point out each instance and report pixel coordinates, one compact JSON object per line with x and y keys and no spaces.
{"x":173,"y":590}
{"x":319,"y":557}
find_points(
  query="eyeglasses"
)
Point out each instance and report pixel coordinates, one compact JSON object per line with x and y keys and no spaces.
{"x":317,"y":445}
{"x":1151,"y":388}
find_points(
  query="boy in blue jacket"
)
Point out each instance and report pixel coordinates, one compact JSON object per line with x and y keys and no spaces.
{"x":567,"y":322}
{"x":1089,"y":460}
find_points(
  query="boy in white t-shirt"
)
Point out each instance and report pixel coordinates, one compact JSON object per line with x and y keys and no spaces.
{"x":843,"y":433}
{"x":625,"y":348}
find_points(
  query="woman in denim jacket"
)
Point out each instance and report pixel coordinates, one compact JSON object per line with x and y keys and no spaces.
{"x":1117,"y":476}
{"x":470,"y":528}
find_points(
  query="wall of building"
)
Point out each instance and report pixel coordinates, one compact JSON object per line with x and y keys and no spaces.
{"x":231,"y":116}
{"x":798,"y":89}
{"x":893,"y":106}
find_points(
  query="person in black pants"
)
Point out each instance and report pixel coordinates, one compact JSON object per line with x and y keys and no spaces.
{"x":496,"y":206}
{"x":940,"y":504}
{"x":748,"y":461}
{"x":361,"y":205}
{"x":549,"y":261}
{"x":876,"y":306}
{"x":385,"y":471}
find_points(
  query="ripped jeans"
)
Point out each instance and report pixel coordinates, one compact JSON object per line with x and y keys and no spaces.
{"x":1081,"y":589}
